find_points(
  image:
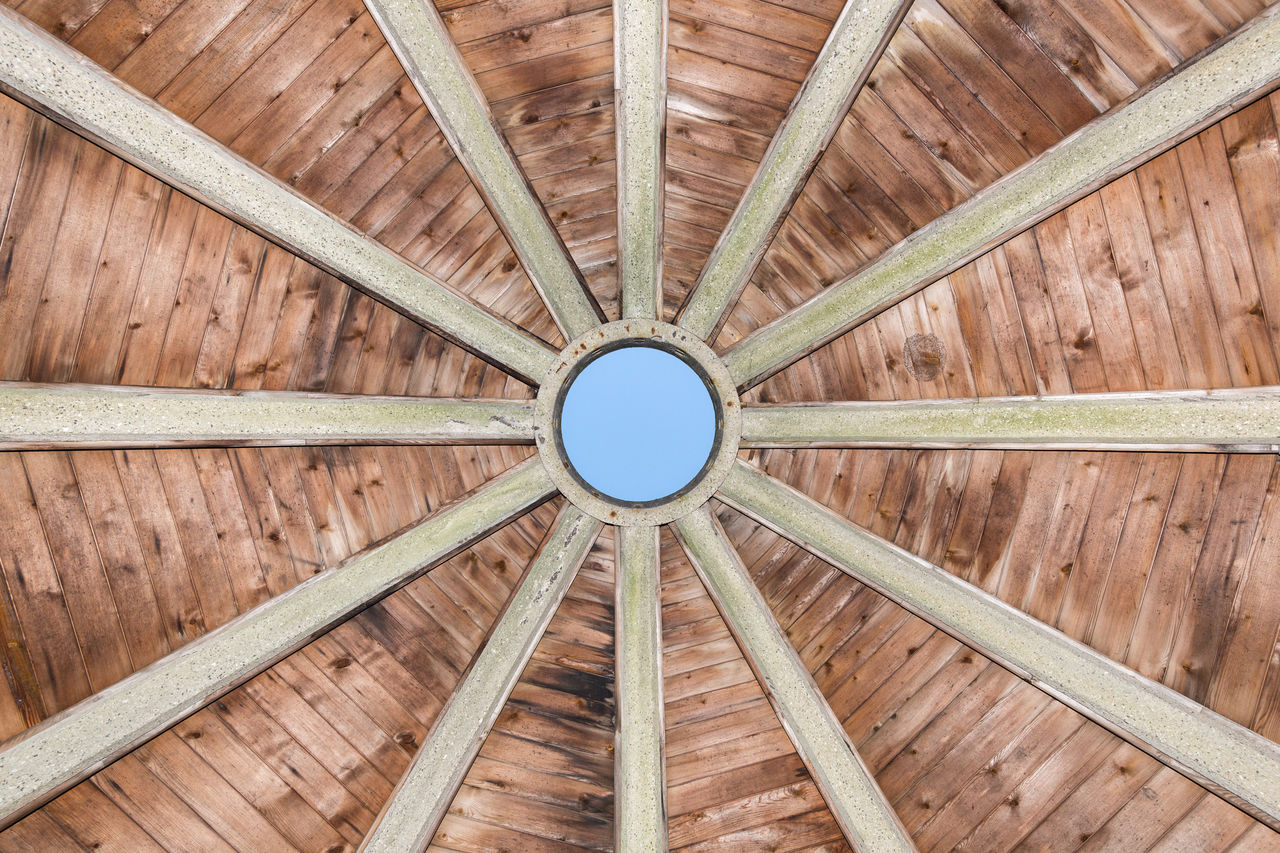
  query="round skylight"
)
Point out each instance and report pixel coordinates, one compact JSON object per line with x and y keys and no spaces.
{"x":638,"y":424}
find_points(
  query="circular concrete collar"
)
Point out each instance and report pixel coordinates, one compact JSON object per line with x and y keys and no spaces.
{"x":613,"y":336}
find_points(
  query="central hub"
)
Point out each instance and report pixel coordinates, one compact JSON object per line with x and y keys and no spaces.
{"x":637,"y":423}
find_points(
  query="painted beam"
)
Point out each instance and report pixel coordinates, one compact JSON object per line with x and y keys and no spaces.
{"x":859,"y":806}
{"x":852,"y":49}
{"x":1238,"y":764}
{"x":640,"y":105}
{"x":45,"y":417}
{"x":74,"y":744}
{"x":1244,"y":420}
{"x":1237,"y":70}
{"x":418,"y":804}
{"x":639,"y":766}
{"x":418,"y":35}
{"x":52,"y":78}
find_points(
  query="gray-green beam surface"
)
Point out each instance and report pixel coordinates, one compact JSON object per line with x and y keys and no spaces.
{"x":854,"y":45}
{"x":857,"y":803}
{"x":54,"y":79}
{"x":1239,"y":69}
{"x":70,"y":746}
{"x":1233,"y":420}
{"x":1238,"y":764}
{"x":640,"y":102}
{"x":430,"y":58}
{"x":40,"y":417}
{"x":640,"y":790}
{"x":419,"y":802}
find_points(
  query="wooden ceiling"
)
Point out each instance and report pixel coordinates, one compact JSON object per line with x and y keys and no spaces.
{"x":1166,"y":278}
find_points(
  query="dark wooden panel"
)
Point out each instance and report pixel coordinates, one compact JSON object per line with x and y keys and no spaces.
{"x":544,"y":777}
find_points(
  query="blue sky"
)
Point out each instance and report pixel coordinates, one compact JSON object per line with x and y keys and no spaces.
{"x":637,"y":424}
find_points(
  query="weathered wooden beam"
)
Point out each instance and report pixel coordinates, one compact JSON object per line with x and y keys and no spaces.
{"x":1202,"y":91}
{"x":639,"y":773}
{"x":418,"y":35}
{"x":640,"y":105}
{"x":43,"y":417}
{"x":70,"y":746}
{"x":853,"y":47}
{"x":1238,"y":420}
{"x":856,"y":801}
{"x":418,"y":804}
{"x":1238,"y":764}
{"x":54,"y":79}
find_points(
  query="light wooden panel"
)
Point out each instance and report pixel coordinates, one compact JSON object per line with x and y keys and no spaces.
{"x":734,"y":780}
{"x":1158,"y":280}
{"x":934,"y":719}
{"x":312,"y":93}
{"x":732,"y":69}
{"x":303,"y":756}
{"x":967,"y":90}
{"x":142,"y":286}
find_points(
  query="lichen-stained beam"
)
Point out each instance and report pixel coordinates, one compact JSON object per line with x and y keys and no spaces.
{"x":639,"y":773}
{"x":640,"y":104}
{"x":1205,"y":89}
{"x":857,"y":803}
{"x":411,"y":816}
{"x":1239,"y":420}
{"x":78,"y":417}
{"x":853,"y":47}
{"x":432,"y":61}
{"x":70,"y":746}
{"x":52,"y":78}
{"x":1234,"y":762}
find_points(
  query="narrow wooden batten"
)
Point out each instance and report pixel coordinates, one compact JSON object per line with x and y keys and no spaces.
{"x":1240,"y":420}
{"x":857,"y":39}
{"x":856,"y":801}
{"x":418,"y":35}
{"x":1204,"y":90}
{"x":419,"y":802}
{"x":52,"y":78}
{"x":640,"y":791}
{"x":69,"y":747}
{"x":43,"y":417}
{"x":1238,"y":764}
{"x":640,"y":105}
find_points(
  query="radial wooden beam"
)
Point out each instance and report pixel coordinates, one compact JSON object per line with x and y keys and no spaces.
{"x":853,"y":47}
{"x":1204,"y":90}
{"x":640,"y":107}
{"x":639,"y":778}
{"x":1233,"y":420}
{"x":412,"y":815}
{"x":430,"y":58}
{"x":70,"y":746}
{"x":856,"y":801}
{"x":50,"y":77}
{"x":42,"y":417}
{"x":1234,"y":762}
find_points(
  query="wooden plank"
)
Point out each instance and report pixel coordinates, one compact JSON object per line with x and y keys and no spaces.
{"x":60,"y":678}
{"x":95,"y":416}
{"x":1225,"y":419}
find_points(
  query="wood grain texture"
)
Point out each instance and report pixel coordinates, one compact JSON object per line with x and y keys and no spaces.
{"x":1164,"y":279}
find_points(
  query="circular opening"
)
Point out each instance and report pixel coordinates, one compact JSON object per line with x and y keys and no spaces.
{"x":637,"y":424}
